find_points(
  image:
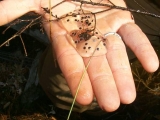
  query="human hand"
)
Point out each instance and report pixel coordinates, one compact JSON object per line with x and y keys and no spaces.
{"x":111,"y":82}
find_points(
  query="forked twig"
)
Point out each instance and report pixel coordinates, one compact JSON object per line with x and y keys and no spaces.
{"x":20,"y":32}
{"x":118,"y":7}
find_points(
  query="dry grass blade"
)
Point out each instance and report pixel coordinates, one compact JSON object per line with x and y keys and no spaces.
{"x":50,"y":12}
{"x":23,"y":45}
{"x":145,"y":81}
{"x":79,"y":85}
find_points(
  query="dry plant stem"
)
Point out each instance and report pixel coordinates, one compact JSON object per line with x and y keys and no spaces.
{"x":79,"y":85}
{"x":111,"y":2}
{"x":118,"y":7}
{"x":21,"y":31}
{"x":111,"y":6}
{"x":141,"y":80}
{"x":23,"y":45}
{"x":57,"y":4}
{"x":6,"y":29}
{"x":50,"y":17}
{"x":14,"y":23}
{"x":140,"y":5}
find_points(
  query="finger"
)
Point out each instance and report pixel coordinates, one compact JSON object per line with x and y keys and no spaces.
{"x":12,"y":9}
{"x":71,"y":64}
{"x":103,"y":83}
{"x":140,"y":45}
{"x":119,"y":64}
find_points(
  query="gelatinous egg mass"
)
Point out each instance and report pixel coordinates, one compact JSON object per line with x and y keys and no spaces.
{"x":82,"y":34}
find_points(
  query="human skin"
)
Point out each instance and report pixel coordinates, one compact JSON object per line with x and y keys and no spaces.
{"x":112,"y":81}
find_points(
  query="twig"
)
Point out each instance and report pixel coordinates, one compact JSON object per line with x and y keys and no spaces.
{"x":118,"y":7}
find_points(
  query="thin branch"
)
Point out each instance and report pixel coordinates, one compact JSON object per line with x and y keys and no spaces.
{"x":118,"y":7}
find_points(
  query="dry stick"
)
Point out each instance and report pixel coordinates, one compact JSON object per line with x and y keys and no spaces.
{"x":6,"y":29}
{"x":111,"y":2}
{"x":11,"y":24}
{"x":139,"y":5}
{"x":107,"y":5}
{"x":50,"y":20}
{"x":14,"y":23}
{"x":50,"y":17}
{"x":118,"y":7}
{"x":142,"y":81}
{"x":21,"y":31}
{"x":57,"y":4}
